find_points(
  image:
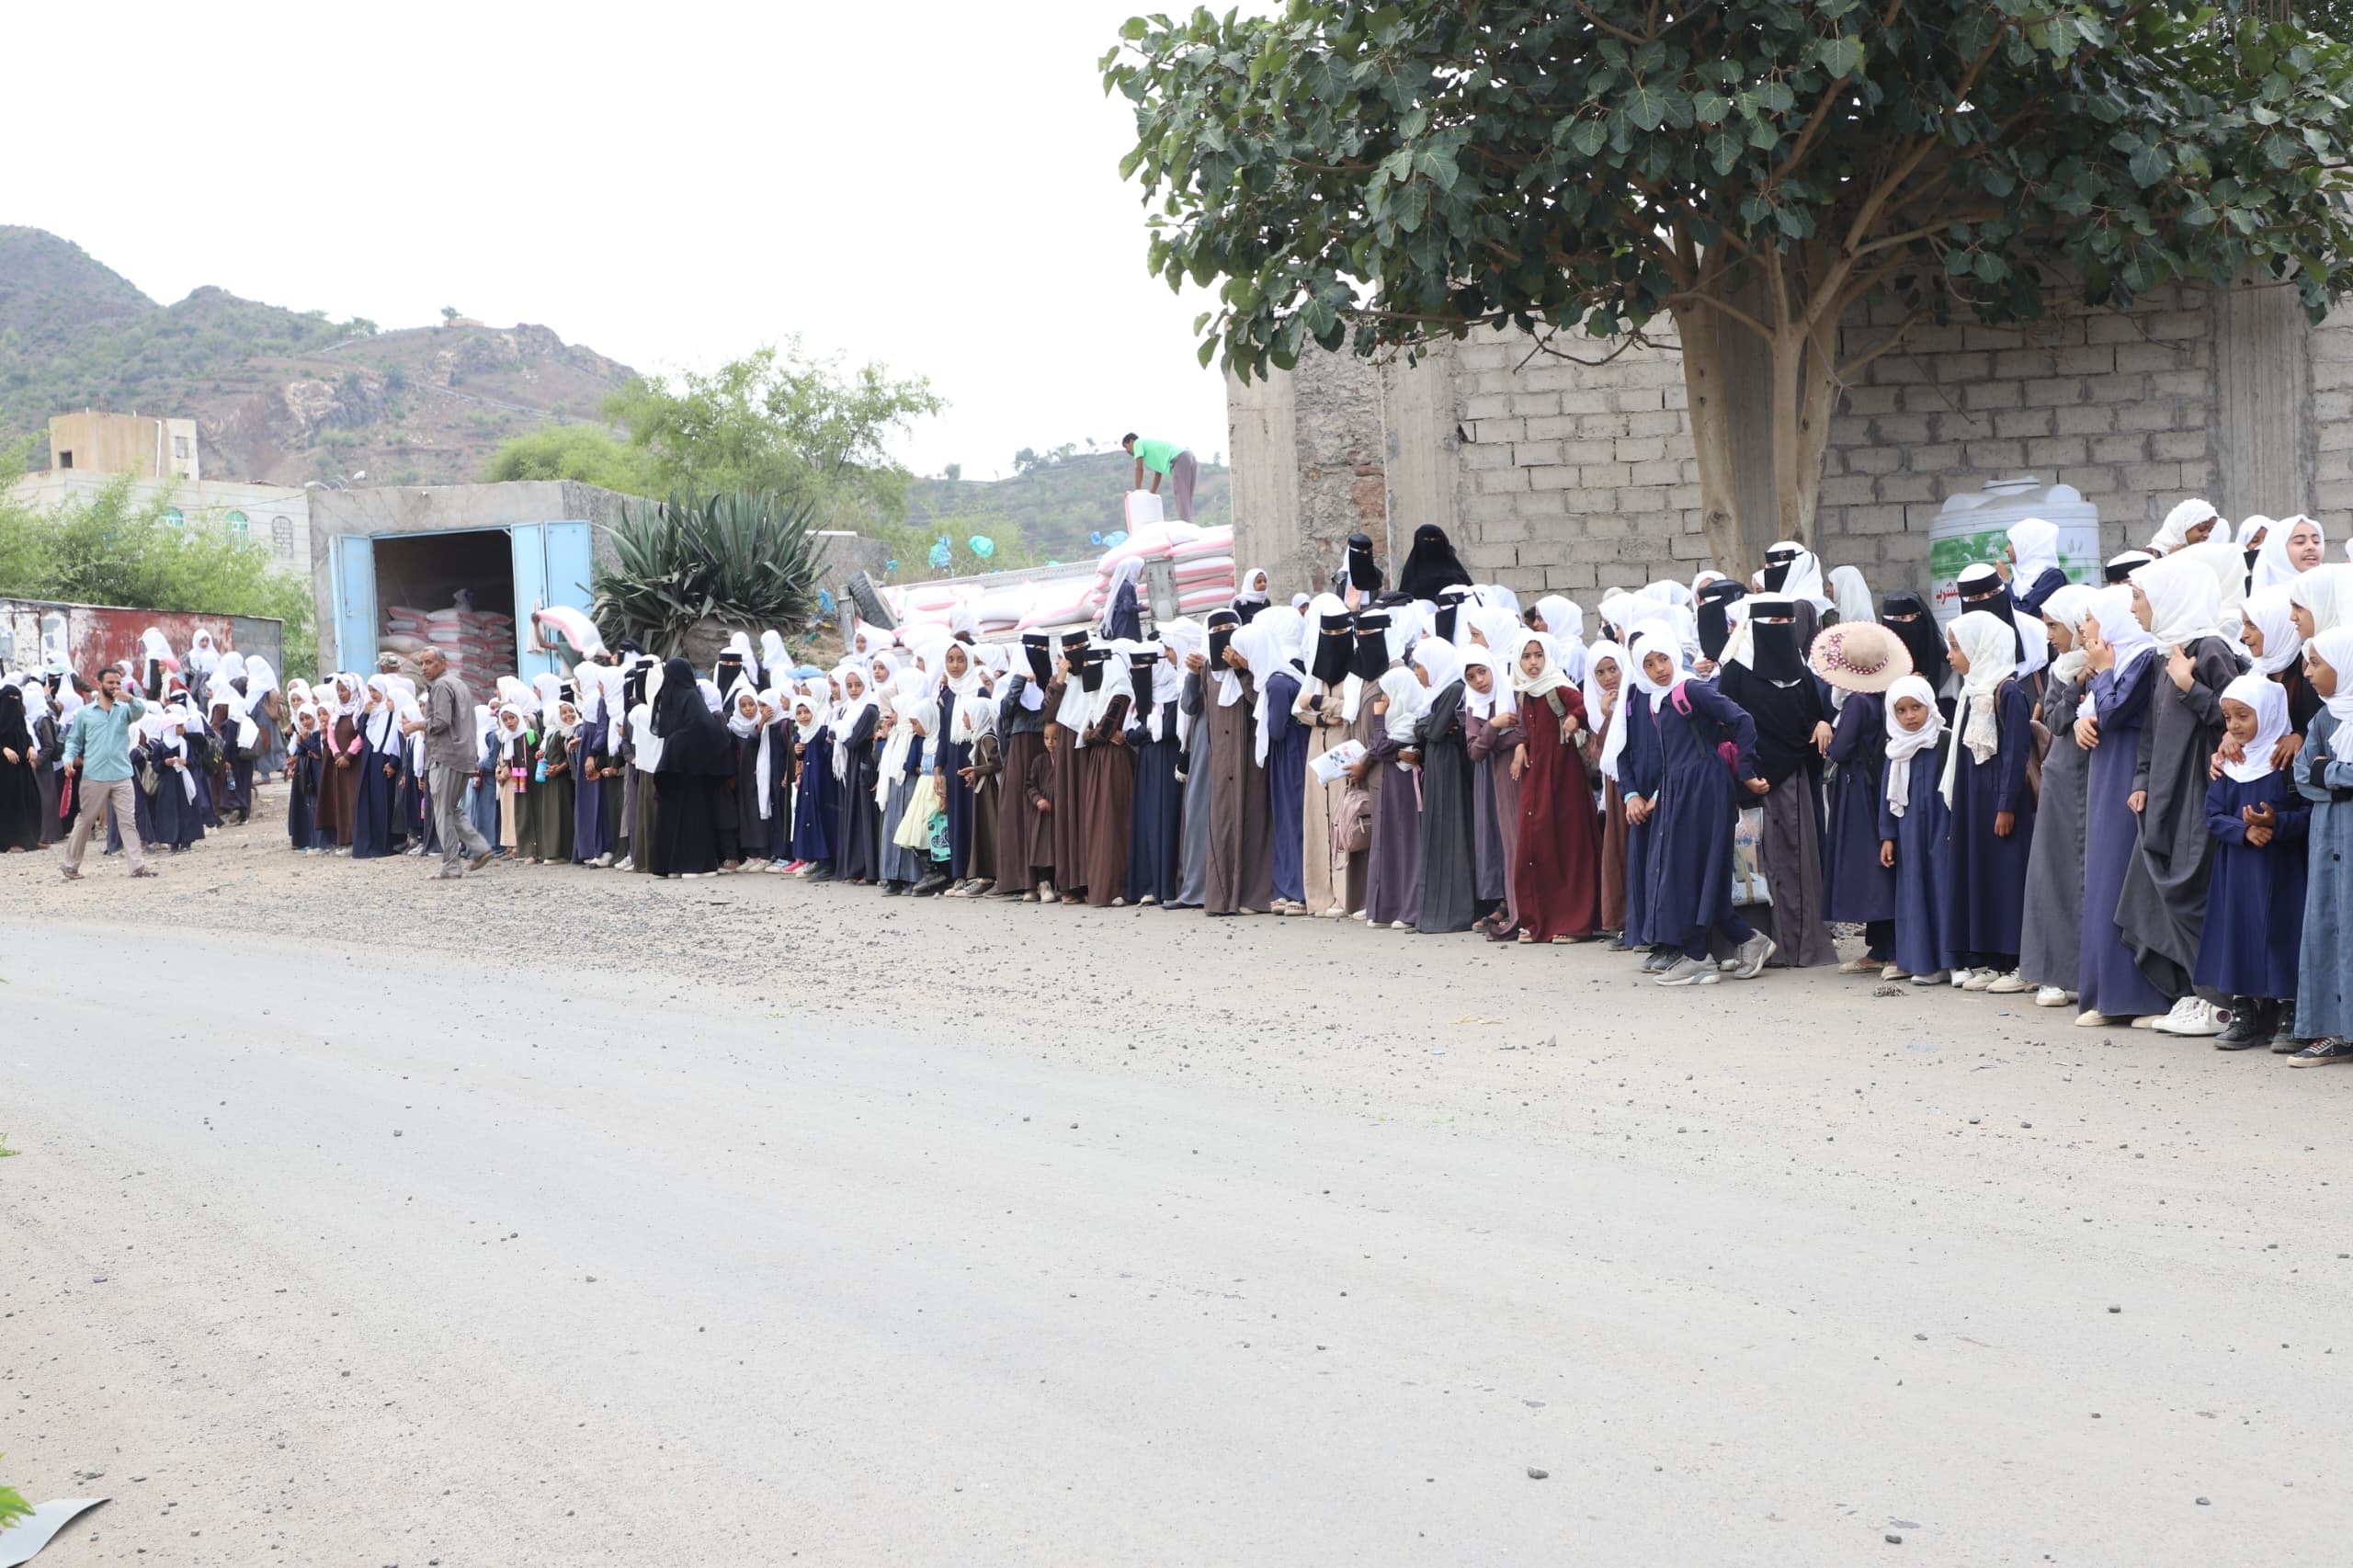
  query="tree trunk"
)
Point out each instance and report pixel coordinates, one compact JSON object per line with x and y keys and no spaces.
{"x":1701,"y":331}
{"x":1804,"y":392}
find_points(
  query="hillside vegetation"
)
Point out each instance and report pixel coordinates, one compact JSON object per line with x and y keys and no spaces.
{"x":278,"y":395}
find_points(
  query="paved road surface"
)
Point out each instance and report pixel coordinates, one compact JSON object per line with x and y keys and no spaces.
{"x":745,"y":1222}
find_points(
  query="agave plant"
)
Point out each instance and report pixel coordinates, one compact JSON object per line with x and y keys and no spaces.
{"x":745,"y":559}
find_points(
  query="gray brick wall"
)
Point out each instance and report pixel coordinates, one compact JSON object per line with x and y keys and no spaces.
{"x":1573,"y":478}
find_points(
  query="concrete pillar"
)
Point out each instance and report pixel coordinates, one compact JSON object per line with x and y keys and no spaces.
{"x":1420,"y":445}
{"x":2262,"y":372}
{"x":1263,"y":437}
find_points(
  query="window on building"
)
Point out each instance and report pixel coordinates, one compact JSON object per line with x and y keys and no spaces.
{"x":65,"y":458}
{"x":281,"y":538}
{"x":237,"y":524}
{"x":179,"y":448}
{"x":174,"y":517}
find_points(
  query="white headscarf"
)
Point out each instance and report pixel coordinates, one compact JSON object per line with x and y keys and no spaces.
{"x":202,"y":657}
{"x":1261,"y":648}
{"x":773,"y":659}
{"x":1484,"y":704}
{"x":2269,"y":700}
{"x":853,"y":712}
{"x":1851,"y":595}
{"x":2175,"y":531}
{"x":2066,"y":606}
{"x":1992,"y":654}
{"x":1552,"y":677}
{"x":2327,"y":592}
{"x":1439,"y":658}
{"x":2335,"y":649}
{"x":1598,"y":711}
{"x":1125,"y":573}
{"x":2185,"y":599}
{"x":1252,"y":587}
{"x":911,"y":706}
{"x":1408,"y":700}
{"x":1904,"y":744}
{"x":1563,"y":621}
{"x":2036,"y":544}
{"x":2272,"y":568}
{"x":2267,"y":611}
{"x":2111,"y":609}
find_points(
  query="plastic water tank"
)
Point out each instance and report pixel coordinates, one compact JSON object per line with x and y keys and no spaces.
{"x":1975,"y":526}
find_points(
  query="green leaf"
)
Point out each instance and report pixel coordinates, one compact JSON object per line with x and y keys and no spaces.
{"x":2150,"y":166}
{"x":1589,"y":136}
{"x":1842,"y":56}
{"x":1723,"y":149}
{"x":1709,"y":107}
{"x":1646,"y":107}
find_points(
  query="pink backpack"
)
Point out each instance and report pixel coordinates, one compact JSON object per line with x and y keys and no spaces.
{"x":1725,"y":749}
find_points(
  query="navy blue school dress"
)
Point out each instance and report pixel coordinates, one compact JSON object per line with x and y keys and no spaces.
{"x":2254,"y":896}
{"x":1986,"y":888}
{"x":2107,"y":980}
{"x":1854,"y":887}
{"x":1689,"y":884}
{"x":1922,"y":837}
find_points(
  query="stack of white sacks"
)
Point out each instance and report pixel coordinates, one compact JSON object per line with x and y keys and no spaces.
{"x":479,"y":644}
{"x":1010,"y":602}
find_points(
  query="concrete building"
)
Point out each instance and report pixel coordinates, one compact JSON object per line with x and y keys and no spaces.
{"x":1555,"y":476}
{"x":124,"y":443}
{"x":92,"y":451}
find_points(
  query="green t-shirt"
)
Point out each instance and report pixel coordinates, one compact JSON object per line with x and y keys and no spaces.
{"x":1157,"y":456}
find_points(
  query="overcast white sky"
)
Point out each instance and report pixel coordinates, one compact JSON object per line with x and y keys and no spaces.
{"x":934,"y":185}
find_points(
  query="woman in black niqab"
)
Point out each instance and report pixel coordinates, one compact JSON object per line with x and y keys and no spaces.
{"x":1362,"y":575}
{"x":1906,"y":613}
{"x":1430,"y":565}
{"x":696,"y":755}
{"x":1713,"y":612}
{"x":20,"y":810}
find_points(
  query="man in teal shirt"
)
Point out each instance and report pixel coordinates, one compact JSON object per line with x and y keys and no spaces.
{"x":1167,"y":461}
{"x":97,"y":745}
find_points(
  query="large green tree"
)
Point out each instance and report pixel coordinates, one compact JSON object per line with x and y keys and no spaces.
{"x":583,"y":452}
{"x":1376,"y":175}
{"x":782,"y":422}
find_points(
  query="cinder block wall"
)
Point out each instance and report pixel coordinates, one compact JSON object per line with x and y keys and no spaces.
{"x":1558,"y":476}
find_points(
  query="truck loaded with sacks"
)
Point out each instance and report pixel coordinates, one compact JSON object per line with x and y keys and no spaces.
{"x":1042,"y":599}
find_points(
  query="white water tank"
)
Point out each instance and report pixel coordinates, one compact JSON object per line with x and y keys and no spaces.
{"x":1975,"y":526}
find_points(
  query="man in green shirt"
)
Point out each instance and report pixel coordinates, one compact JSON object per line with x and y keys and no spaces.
{"x":97,"y":745}
{"x":1167,"y":461}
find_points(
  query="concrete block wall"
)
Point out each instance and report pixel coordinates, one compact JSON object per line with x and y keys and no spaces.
{"x":1553,"y":475}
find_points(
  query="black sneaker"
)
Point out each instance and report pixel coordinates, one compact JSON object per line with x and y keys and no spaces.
{"x":2283,"y":1039}
{"x":2323,"y":1054}
{"x":2248,"y":1028}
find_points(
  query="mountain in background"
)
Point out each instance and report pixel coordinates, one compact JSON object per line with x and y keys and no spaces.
{"x":280,"y":396}
{"x":1057,"y":502}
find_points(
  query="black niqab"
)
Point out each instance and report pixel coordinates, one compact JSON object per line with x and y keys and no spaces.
{"x":1333,"y":646}
{"x":1140,"y":679}
{"x":1039,"y":649}
{"x":1222,"y":624}
{"x":1921,"y":636}
{"x":15,"y":733}
{"x":1364,"y":576}
{"x":693,"y":738}
{"x":1713,"y":612}
{"x":1430,"y":565}
{"x":1372,"y":661}
{"x":1982,"y":590}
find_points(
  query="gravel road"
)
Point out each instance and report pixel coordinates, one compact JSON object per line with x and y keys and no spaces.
{"x":561,"y":1217}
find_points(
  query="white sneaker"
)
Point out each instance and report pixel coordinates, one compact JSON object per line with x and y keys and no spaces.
{"x":1689,"y":970}
{"x":625,"y":865}
{"x":1961,"y":977}
{"x":2053,"y":997}
{"x":1980,"y":979}
{"x":1401,"y":924}
{"x":1046,"y":893}
{"x":1859,"y":966}
{"x":2008,"y":985}
{"x":1891,"y":971}
{"x":2147,"y":1020}
{"x":2089,"y":1020}
{"x":1937,"y":979}
{"x":2192,"y":1017}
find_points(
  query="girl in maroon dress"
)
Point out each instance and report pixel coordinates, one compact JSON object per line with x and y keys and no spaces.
{"x":1556,"y":866}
